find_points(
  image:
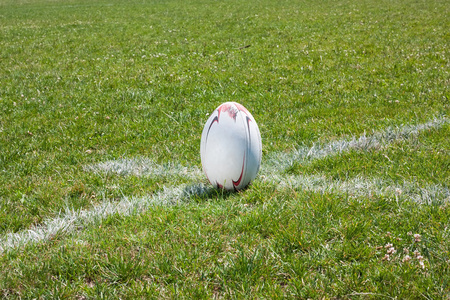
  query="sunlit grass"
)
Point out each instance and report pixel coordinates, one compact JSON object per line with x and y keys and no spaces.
{"x":85,"y":84}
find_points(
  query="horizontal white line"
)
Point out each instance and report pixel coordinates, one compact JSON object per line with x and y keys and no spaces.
{"x":72,"y":220}
{"x":363,"y":187}
{"x":142,"y":166}
{"x":278,"y":162}
{"x":357,"y":187}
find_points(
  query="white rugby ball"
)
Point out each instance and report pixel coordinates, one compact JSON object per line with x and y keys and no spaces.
{"x":230,"y":147}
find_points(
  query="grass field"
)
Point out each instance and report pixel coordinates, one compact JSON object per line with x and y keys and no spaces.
{"x":102,"y":104}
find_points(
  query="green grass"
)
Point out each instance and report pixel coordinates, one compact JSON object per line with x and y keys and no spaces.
{"x":254,"y":244}
{"x":84,"y":82}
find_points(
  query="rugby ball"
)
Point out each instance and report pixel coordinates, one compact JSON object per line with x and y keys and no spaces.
{"x":230,"y":147}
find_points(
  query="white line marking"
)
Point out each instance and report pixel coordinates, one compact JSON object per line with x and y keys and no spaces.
{"x":143,"y":166}
{"x":73,"y":220}
{"x":363,"y":187}
{"x":358,"y":187}
{"x":278,"y":162}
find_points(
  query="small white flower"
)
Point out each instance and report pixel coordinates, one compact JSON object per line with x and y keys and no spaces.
{"x":391,"y":250}
{"x":422,"y":264}
{"x":417,"y":237}
{"x":406,"y":258}
{"x":387,"y":246}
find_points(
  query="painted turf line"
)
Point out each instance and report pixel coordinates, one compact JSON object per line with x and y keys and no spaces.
{"x":72,"y":220}
{"x":363,"y":187}
{"x":278,"y":162}
{"x":143,"y":166}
